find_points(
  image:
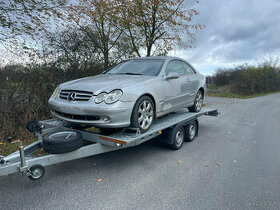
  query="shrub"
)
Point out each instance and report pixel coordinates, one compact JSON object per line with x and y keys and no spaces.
{"x":24,"y":94}
{"x":248,"y":80}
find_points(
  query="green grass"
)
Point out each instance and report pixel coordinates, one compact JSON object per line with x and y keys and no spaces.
{"x":235,"y":95}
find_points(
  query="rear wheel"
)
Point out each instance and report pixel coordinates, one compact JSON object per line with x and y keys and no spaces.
{"x":191,"y":131}
{"x":143,"y":114}
{"x":197,"y":102}
{"x":176,"y":135}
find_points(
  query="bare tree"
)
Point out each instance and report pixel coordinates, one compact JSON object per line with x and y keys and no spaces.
{"x":157,"y":24}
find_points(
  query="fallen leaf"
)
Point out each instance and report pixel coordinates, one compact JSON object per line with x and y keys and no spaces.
{"x":219,"y":164}
{"x":179,"y":161}
{"x":94,"y":164}
{"x":206,"y":166}
{"x":99,"y":180}
{"x":247,"y":150}
{"x":235,"y":161}
{"x":17,"y":141}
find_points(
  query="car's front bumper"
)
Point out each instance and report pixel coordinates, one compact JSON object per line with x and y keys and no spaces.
{"x":114,"y":115}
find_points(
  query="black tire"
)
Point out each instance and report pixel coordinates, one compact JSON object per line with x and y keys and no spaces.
{"x":62,"y":142}
{"x":173,"y":136}
{"x":135,"y":114}
{"x":191,"y":131}
{"x":198,"y":102}
{"x":108,"y":131}
{"x":37,"y":172}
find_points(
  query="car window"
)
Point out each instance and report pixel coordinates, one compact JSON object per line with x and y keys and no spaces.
{"x":188,"y":69}
{"x":149,"y":67}
{"x":175,"y":66}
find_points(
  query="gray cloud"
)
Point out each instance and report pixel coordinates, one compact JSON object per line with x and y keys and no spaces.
{"x":237,"y":31}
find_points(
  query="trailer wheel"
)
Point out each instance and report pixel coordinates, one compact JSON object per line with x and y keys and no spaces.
{"x":191,"y":131}
{"x":62,"y":142}
{"x":36,"y":172}
{"x":176,"y":136}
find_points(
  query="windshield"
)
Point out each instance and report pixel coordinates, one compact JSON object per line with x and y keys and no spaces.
{"x":138,"y":67}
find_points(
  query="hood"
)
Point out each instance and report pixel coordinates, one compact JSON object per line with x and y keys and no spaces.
{"x":104,"y":82}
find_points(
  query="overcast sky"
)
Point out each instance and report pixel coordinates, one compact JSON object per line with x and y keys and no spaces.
{"x":237,"y":31}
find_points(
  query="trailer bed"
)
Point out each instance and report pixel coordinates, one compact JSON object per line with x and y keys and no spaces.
{"x":98,"y":143}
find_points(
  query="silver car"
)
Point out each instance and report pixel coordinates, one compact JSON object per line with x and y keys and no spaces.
{"x":133,"y":93}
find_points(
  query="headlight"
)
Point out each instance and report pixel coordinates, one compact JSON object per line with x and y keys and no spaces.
{"x":109,"y":98}
{"x":101,"y":97}
{"x":113,"y":96}
{"x":56,"y":93}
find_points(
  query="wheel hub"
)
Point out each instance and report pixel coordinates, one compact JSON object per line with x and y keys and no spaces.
{"x":145,"y":114}
{"x":199,"y":101}
{"x":179,"y":138}
{"x":192,"y":131}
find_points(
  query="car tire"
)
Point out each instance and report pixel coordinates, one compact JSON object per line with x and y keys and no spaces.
{"x":144,"y":108}
{"x":62,"y":142}
{"x":198,"y":102}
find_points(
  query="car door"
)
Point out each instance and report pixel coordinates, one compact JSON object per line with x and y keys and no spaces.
{"x":193,"y":80}
{"x":176,"y":90}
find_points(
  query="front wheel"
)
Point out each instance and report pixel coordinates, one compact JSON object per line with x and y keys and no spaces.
{"x":197,"y":102}
{"x":176,"y":136}
{"x":143,"y":114}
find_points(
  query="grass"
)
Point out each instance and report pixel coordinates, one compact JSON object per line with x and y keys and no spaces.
{"x":228,"y":94}
{"x":8,"y":148}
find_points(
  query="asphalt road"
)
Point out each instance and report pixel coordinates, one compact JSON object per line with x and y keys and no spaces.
{"x":244,"y":140}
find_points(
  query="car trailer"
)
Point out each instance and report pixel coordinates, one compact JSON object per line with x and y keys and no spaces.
{"x":172,"y":129}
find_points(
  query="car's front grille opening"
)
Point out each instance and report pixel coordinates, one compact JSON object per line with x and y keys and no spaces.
{"x":75,"y":95}
{"x":78,"y":117}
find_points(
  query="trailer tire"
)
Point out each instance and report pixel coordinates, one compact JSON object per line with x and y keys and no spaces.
{"x":62,"y":142}
{"x":176,"y":136}
{"x":191,"y":131}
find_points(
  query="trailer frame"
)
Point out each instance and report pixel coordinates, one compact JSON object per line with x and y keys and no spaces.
{"x":26,"y":162}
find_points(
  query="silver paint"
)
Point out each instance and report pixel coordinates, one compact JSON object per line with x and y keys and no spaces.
{"x":169,"y":95}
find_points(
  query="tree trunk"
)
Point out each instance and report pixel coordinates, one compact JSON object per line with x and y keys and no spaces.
{"x":106,"y":59}
{"x":149,"y":50}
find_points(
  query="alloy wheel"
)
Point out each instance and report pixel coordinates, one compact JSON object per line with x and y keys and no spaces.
{"x":198,"y":101}
{"x":145,"y":114}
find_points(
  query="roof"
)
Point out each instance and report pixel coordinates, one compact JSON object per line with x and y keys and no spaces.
{"x":155,"y":57}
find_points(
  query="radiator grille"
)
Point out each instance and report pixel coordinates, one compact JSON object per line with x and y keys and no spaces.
{"x":75,"y":95}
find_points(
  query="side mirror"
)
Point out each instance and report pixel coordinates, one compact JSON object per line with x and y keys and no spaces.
{"x":171,"y":75}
